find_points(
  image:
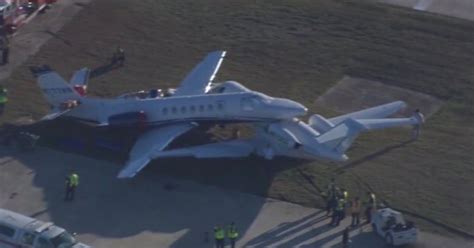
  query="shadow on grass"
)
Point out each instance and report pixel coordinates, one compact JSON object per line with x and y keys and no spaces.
{"x":372,"y":156}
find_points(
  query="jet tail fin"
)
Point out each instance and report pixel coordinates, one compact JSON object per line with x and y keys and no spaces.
{"x":59,"y":94}
{"x":55,"y":89}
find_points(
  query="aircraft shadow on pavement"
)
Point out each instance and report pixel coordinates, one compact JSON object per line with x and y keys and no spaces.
{"x":312,"y":231}
{"x":297,"y":233}
{"x":157,"y":200}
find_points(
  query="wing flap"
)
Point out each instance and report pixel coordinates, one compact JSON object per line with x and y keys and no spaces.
{"x":228,"y":149}
{"x":198,"y":80}
{"x":149,"y":143}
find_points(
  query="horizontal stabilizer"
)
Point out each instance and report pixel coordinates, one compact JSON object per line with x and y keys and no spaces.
{"x":371,"y":113}
{"x":340,"y":138}
{"x":80,"y":77}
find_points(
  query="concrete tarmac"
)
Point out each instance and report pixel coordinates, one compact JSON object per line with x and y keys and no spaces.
{"x":32,"y":35}
{"x":463,"y":9}
{"x":160,"y":211}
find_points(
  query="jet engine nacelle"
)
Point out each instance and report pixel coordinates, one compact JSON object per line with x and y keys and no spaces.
{"x":320,"y":123}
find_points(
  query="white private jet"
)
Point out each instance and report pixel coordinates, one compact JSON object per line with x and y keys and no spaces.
{"x":167,"y":117}
{"x":319,"y":138}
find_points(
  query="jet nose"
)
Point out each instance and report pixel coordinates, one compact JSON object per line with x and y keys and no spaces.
{"x":289,"y":108}
{"x":298,"y":109}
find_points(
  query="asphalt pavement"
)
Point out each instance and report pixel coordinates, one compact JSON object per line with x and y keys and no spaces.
{"x":154,"y":210}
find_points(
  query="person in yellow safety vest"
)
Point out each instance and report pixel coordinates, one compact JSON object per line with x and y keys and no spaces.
{"x":72,"y":181}
{"x":219,"y":236}
{"x":345,"y":196}
{"x":232,"y":234}
{"x":355,"y":211}
{"x":370,"y":205}
{"x":337,"y":216}
{"x":3,"y":99}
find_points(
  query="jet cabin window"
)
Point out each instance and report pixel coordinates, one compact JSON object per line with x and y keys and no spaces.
{"x":201,"y":108}
{"x":173,"y":110}
{"x":220,"y":105}
{"x":6,"y":231}
{"x":192,"y":109}
{"x":165,"y":111}
{"x":249,"y":103}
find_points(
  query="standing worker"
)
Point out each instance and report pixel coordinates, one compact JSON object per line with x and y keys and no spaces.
{"x":232,"y":234}
{"x":338,"y":212}
{"x":219,"y":235}
{"x":416,"y":128}
{"x":345,"y":238}
{"x":72,"y":181}
{"x":119,"y":56}
{"x":4,"y":46}
{"x":331,"y":194}
{"x":370,"y":205}
{"x":3,"y":99}
{"x":355,"y":211}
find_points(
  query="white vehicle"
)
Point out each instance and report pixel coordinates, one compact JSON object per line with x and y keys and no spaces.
{"x":166,"y":117}
{"x":17,"y":230}
{"x":390,"y":225}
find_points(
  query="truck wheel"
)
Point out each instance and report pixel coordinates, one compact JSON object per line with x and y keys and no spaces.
{"x":389,"y":240}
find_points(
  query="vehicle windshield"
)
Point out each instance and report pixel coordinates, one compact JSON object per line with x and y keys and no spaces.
{"x":63,"y":240}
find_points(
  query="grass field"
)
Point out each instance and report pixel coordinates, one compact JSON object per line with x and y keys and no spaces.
{"x":296,"y":49}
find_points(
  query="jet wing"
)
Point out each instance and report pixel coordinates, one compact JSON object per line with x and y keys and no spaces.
{"x":148,"y":144}
{"x":371,"y":113}
{"x":54,"y":114}
{"x":198,"y":80}
{"x":227,"y":149}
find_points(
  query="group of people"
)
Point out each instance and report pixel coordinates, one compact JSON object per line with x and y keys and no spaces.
{"x":338,"y":205}
{"x":220,"y":235}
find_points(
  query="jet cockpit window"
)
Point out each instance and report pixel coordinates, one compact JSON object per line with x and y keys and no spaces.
{"x":249,"y":103}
